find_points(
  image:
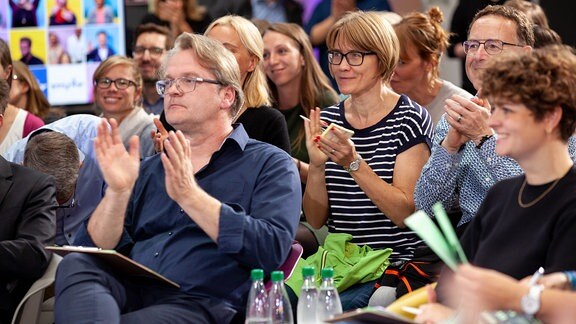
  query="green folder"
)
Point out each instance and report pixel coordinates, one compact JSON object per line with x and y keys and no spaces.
{"x":443,"y":241}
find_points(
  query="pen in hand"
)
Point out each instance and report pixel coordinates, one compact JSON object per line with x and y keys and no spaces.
{"x":536,"y":276}
{"x":322,"y":128}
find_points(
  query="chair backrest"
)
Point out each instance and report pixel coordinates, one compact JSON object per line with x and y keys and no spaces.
{"x":289,"y":265}
{"x":28,"y":310}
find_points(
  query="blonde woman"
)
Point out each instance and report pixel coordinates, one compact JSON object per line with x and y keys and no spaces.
{"x":528,"y":221}
{"x":118,"y":94}
{"x":242,"y":38}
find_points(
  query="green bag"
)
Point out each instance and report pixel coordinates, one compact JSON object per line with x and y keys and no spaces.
{"x":352,"y":263}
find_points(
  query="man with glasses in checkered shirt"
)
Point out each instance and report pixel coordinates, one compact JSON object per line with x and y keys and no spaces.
{"x":463,"y":164}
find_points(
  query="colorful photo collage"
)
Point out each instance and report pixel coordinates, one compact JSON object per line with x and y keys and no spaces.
{"x":63,"y":41}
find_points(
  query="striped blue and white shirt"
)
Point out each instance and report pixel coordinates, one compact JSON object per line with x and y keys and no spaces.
{"x":351,"y":211}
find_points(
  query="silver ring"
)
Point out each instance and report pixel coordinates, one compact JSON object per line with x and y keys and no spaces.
{"x":459,"y":119}
{"x":333,"y":151}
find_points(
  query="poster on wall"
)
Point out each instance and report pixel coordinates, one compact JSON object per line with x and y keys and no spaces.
{"x":63,"y":41}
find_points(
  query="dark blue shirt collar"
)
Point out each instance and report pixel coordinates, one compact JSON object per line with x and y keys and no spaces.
{"x":238,"y":135}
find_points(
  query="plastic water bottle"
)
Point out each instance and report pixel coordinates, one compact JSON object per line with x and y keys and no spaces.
{"x":258,"y":307}
{"x":279,"y":301}
{"x":306,"y":311}
{"x":328,"y":300}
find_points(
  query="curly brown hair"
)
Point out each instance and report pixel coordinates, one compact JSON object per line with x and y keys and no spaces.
{"x":542,"y":81}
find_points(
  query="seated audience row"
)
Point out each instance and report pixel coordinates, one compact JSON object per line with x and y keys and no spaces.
{"x":364,"y":184}
{"x":538,"y":206}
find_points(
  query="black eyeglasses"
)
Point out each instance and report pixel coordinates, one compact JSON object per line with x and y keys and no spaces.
{"x":121,"y":84}
{"x":354,"y":58}
{"x":183,"y":84}
{"x":154,"y":52}
{"x":491,"y":46}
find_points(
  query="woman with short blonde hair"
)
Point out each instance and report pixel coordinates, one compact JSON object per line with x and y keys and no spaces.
{"x":118,"y":94}
{"x":362,"y":183}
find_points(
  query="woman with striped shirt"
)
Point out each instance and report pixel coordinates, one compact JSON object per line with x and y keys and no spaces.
{"x":364,"y":186}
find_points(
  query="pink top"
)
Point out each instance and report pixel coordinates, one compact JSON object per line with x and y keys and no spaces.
{"x":100,"y":16}
{"x":32,"y":123}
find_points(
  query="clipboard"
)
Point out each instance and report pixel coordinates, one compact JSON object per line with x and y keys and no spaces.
{"x":369,"y":315}
{"x":117,"y":261}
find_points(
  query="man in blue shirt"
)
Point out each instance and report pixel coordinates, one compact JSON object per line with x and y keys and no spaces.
{"x":203,"y":213}
{"x":464,"y":164}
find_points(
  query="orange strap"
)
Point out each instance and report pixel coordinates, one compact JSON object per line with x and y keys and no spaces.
{"x":396,"y":273}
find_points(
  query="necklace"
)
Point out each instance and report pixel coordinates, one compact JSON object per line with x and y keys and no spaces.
{"x":542,"y":195}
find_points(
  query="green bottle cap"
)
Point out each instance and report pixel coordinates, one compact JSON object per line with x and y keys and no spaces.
{"x":257,"y":274}
{"x":277,"y":276}
{"x":308,"y":271}
{"x":327,"y":273}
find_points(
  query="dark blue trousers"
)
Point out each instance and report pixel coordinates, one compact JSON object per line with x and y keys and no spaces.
{"x":88,"y":291}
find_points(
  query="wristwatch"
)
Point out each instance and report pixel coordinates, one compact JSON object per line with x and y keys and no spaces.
{"x":483,"y":140}
{"x":354,"y":165}
{"x":530,"y":303}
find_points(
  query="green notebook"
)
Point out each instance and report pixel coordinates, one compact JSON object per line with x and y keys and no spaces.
{"x":443,"y":241}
